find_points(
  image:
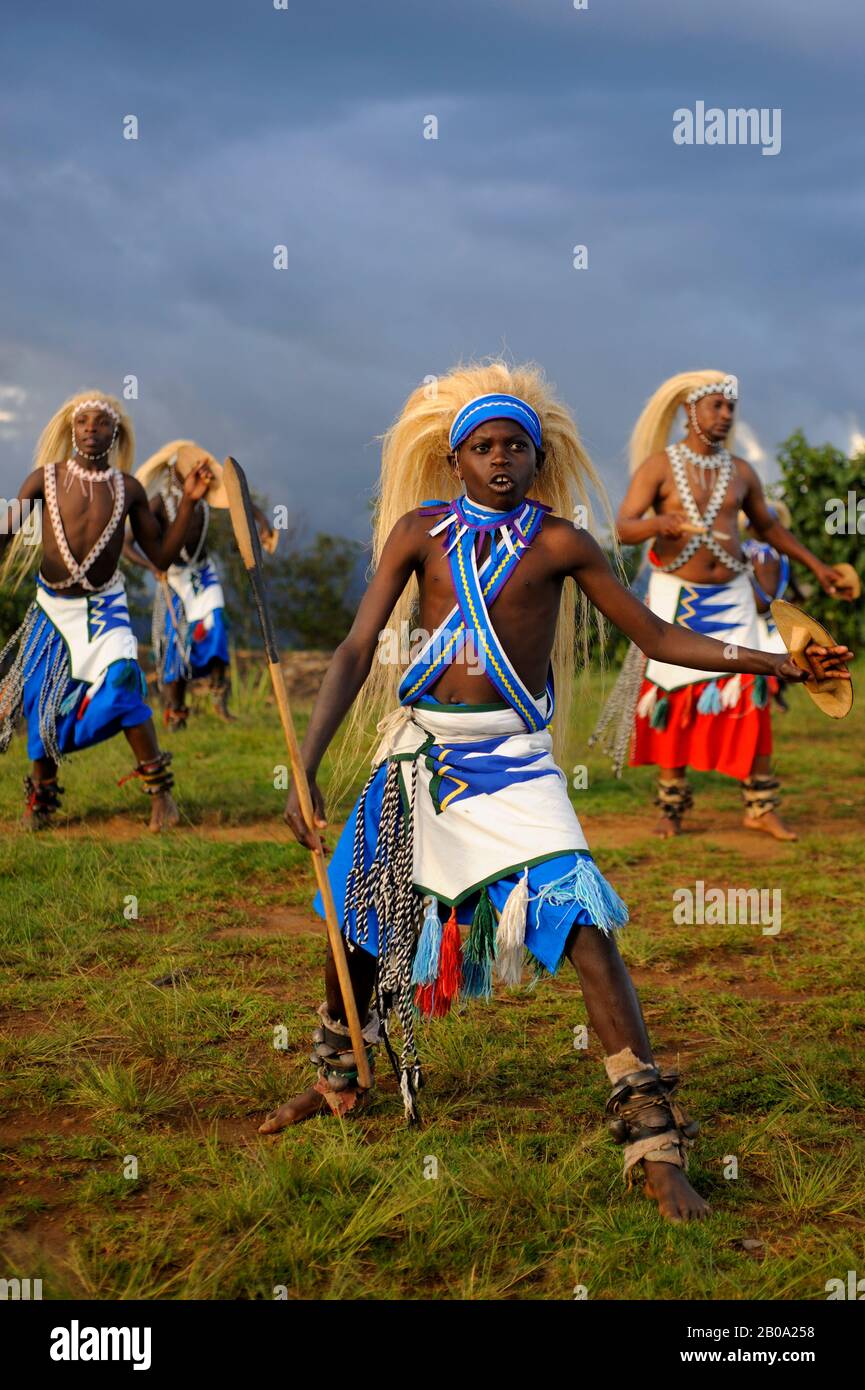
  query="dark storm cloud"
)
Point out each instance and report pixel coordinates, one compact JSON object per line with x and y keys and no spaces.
{"x":303,"y":127}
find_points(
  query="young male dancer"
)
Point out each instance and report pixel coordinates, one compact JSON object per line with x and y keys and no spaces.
{"x":189,"y":625}
{"x":666,"y":712}
{"x":466,"y":807}
{"x":74,"y":675}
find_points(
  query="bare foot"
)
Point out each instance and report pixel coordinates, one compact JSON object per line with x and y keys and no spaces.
{"x":772,"y":824}
{"x":164,"y":813}
{"x":667,"y":826}
{"x":298,"y":1108}
{"x":668,"y":1186}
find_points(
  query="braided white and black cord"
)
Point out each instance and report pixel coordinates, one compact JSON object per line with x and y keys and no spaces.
{"x":52,"y":689}
{"x":355,"y":887}
{"x":615,"y":726}
{"x":160,"y":635}
{"x":12,"y":676}
{"x":387,"y":888}
{"x":401,"y":945}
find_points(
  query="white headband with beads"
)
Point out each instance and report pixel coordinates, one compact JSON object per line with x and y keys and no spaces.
{"x":97,"y":405}
{"x":728,"y":388}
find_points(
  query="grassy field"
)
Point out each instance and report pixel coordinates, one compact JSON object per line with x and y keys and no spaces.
{"x":130,"y":1159}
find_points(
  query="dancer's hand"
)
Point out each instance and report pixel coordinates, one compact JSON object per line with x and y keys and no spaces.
{"x":833,"y":582}
{"x":198,"y":481}
{"x":672,"y":525}
{"x":826,"y":663}
{"x":293,"y":816}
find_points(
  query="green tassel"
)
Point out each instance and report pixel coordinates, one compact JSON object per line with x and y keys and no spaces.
{"x":660,"y":714}
{"x":479,"y":951}
{"x":760,"y":692}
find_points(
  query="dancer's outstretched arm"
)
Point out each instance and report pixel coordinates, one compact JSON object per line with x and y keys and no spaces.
{"x":769,"y":529}
{"x":670,"y":642}
{"x":164,"y":547}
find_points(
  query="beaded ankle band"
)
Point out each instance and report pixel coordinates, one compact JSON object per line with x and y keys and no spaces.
{"x":156,"y":775}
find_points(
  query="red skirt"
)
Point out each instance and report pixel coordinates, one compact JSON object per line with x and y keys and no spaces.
{"x":727,"y":742}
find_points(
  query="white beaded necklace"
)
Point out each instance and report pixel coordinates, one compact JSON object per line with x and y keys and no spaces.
{"x":702,"y":461}
{"x":88,"y":476}
{"x":78,"y":569}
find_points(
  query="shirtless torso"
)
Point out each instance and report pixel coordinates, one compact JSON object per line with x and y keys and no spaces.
{"x":653,"y":486}
{"x":84,"y":522}
{"x":656,"y":480}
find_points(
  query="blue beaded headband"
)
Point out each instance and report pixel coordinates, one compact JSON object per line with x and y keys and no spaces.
{"x":495,"y":406}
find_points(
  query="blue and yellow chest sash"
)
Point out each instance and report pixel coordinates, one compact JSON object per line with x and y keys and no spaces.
{"x":464,"y":524}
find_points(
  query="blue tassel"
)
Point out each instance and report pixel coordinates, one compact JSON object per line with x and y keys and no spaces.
{"x":710,"y":700}
{"x":760,"y":692}
{"x":71,"y":699}
{"x":660,"y":714}
{"x":585,"y":885}
{"x":426,"y":961}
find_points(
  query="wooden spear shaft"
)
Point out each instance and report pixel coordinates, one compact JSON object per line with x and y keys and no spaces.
{"x":246,"y":533}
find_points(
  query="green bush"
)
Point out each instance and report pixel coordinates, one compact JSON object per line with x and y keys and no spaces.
{"x":811,"y":477}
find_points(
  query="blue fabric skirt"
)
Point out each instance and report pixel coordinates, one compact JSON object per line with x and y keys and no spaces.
{"x":119,"y":703}
{"x":586,"y":898}
{"x":203,"y":646}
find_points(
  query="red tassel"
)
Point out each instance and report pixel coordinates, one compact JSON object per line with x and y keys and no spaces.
{"x":435,"y":1000}
{"x":687,"y":708}
{"x":450,"y":960}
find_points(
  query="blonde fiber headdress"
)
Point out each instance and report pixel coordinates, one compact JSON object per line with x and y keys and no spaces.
{"x":183,"y":454}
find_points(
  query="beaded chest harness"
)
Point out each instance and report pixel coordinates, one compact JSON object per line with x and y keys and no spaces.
{"x":78,"y":570}
{"x":476,"y":587}
{"x":723,"y":462}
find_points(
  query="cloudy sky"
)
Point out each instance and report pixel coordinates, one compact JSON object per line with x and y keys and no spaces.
{"x":304,"y":126}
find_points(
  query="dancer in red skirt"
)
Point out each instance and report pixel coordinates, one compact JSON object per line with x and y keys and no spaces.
{"x":693,"y":491}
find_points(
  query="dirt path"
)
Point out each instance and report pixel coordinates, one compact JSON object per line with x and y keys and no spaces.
{"x":276,"y":921}
{"x":602,"y":832}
